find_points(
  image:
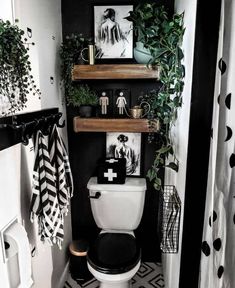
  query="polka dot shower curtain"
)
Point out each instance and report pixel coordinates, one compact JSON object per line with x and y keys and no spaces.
{"x":218,"y":244}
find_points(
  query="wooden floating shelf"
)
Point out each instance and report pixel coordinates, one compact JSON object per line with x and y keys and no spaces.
{"x":114,"y":71}
{"x":113,"y":125}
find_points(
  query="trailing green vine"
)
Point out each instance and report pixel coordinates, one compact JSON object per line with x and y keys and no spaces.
{"x":16,"y":79}
{"x":70,"y":54}
{"x":162,"y":34}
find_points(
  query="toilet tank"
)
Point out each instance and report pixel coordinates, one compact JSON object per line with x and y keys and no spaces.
{"x":120,"y":206}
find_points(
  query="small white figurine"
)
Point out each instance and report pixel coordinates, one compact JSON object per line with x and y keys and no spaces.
{"x":104,"y":102}
{"x":121,"y":103}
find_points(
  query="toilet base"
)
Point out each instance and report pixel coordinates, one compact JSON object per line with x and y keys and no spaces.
{"x":114,"y":280}
{"x":116,"y":285}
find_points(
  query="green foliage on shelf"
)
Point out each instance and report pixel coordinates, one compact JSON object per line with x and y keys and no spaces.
{"x":82,"y":95}
{"x":16,"y":81}
{"x":162,"y":34}
{"x":70,"y":54}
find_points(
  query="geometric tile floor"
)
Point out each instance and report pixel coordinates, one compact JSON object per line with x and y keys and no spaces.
{"x":148,"y":276}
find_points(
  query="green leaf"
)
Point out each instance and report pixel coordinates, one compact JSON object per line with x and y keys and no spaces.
{"x":151,"y":174}
{"x":180,"y":53}
{"x":164,"y":149}
{"x":157,"y":184}
{"x":173,"y":166}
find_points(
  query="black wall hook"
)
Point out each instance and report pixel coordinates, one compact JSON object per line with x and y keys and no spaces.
{"x":61,"y":125}
{"x":27,"y":131}
{"x":58,"y":116}
{"x":24,"y":136}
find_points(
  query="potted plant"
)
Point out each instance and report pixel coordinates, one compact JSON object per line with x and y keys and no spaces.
{"x":84,"y":98}
{"x":16,"y":80}
{"x":147,"y":18}
{"x":162,"y":34}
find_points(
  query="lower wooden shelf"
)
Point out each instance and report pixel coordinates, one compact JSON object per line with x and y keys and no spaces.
{"x":114,"y":125}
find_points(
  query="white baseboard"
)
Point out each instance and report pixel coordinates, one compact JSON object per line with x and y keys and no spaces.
{"x":64,"y":276}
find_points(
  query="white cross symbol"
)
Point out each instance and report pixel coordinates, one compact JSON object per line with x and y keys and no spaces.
{"x":110,"y":175}
{"x":111,"y":161}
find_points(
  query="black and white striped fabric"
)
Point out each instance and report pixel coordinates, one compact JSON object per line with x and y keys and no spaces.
{"x":52,"y":187}
{"x":60,"y":162}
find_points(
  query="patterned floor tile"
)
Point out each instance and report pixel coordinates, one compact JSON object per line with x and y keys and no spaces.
{"x":148,"y":276}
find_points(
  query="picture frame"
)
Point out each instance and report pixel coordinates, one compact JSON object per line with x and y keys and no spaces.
{"x":113,"y":35}
{"x":125,"y":145}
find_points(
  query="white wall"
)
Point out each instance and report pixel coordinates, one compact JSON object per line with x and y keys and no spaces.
{"x":171,"y":262}
{"x":44,"y":18}
{"x":6,"y":10}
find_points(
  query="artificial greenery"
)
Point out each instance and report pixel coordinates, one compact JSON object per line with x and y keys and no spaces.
{"x":162,"y":34}
{"x":82,"y":95}
{"x":146,"y":19}
{"x":16,"y":81}
{"x":70,"y":54}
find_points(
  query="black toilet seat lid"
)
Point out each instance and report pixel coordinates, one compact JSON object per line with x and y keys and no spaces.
{"x":114,"y":253}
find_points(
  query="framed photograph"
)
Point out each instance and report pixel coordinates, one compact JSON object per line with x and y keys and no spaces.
{"x":125,"y":145}
{"x":112,"y":33}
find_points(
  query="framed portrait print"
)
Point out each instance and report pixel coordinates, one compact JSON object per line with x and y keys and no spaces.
{"x":125,"y":145}
{"x":113,"y":34}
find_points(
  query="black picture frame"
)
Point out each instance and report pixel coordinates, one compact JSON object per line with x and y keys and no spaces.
{"x":132,"y":153}
{"x":113,"y":41}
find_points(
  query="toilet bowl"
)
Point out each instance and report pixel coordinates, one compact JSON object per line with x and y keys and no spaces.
{"x":115,"y":256}
{"x":114,"y":259}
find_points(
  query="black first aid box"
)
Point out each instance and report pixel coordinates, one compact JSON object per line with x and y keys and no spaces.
{"x":111,"y":171}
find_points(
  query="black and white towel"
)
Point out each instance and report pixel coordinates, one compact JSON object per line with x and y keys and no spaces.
{"x":63,"y":175}
{"x":52,"y":187}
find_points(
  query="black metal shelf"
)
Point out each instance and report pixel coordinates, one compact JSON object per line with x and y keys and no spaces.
{"x":11,"y":127}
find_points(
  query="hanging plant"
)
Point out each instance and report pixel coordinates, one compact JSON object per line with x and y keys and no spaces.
{"x":162,"y":34}
{"x":16,"y":80}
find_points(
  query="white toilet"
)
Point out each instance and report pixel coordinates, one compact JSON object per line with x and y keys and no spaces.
{"x":117,"y":209}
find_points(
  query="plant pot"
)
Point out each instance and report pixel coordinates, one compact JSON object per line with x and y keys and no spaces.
{"x":141,"y":54}
{"x":85,"y":111}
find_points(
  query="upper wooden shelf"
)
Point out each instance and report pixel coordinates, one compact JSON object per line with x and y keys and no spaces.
{"x":114,"y":71}
{"x":113,"y":125}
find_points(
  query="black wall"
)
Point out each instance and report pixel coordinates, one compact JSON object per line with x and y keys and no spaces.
{"x":86,"y":148}
{"x":77,"y":16}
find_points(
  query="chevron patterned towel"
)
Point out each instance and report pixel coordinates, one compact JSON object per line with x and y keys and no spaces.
{"x":46,"y":199}
{"x":63,"y":175}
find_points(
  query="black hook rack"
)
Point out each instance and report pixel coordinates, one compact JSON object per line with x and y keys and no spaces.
{"x":21,"y":127}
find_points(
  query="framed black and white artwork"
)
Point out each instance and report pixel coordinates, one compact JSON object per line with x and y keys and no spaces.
{"x":125,"y":145}
{"x":112,"y":32}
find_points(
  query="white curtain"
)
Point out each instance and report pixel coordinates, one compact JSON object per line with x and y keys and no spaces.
{"x":218,"y":244}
